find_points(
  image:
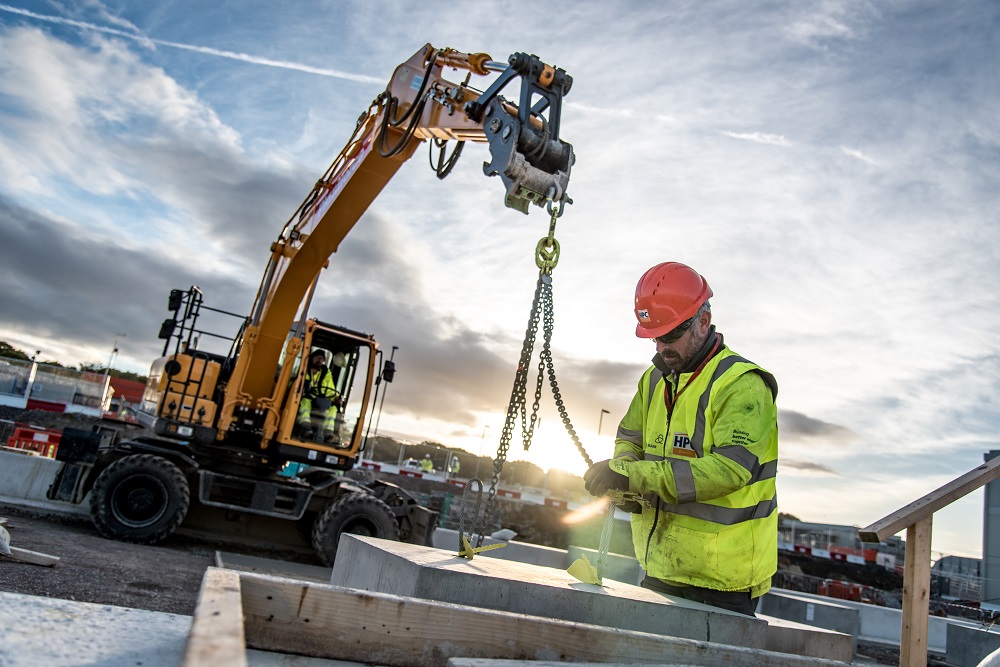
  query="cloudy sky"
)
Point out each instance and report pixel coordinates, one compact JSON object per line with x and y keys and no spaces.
{"x":832,"y":168}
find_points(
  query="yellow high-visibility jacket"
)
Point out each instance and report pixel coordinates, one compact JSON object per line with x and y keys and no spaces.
{"x":708,"y":470}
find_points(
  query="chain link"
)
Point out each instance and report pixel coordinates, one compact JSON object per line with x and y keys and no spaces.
{"x":542,"y":311}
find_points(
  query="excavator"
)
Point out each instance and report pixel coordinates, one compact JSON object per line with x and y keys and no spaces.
{"x":222,"y":429}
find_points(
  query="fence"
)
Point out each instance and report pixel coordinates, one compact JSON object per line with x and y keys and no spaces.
{"x":26,"y":384}
{"x":42,"y":441}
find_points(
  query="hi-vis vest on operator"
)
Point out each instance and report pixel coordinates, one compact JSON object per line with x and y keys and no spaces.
{"x":689,"y":536}
{"x":712,"y":515}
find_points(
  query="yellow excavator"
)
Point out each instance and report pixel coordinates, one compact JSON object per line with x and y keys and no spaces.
{"x":221,"y":428}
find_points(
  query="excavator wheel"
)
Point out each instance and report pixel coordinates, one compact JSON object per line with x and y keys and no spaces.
{"x":140,"y":498}
{"x":355,"y":513}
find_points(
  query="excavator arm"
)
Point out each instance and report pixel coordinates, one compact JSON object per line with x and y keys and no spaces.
{"x":418,"y":104}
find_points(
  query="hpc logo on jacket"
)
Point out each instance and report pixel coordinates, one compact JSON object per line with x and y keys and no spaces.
{"x":682,"y":446}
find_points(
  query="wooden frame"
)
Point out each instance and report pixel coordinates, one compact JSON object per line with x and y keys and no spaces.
{"x":916,"y":519}
{"x":240,"y":610}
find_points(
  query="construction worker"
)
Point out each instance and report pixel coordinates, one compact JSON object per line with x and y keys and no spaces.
{"x":320,"y":400}
{"x":454,"y":466}
{"x":426,"y":465}
{"x":698,"y":451}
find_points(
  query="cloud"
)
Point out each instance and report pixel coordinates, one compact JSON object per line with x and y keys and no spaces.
{"x":132,"y":33}
{"x":807,"y":467}
{"x":858,"y":264}
{"x":858,"y":155}
{"x":796,"y":426}
{"x":760,"y":138}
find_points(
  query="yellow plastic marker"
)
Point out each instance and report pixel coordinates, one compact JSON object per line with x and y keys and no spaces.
{"x":582,"y":569}
{"x":468,"y":552}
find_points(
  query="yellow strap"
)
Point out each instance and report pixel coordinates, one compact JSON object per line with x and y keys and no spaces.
{"x":468,"y":551}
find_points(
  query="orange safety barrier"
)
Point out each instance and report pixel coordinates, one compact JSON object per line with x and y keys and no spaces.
{"x":31,"y":438}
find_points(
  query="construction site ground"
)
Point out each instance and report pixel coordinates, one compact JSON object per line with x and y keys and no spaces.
{"x":162,"y":578}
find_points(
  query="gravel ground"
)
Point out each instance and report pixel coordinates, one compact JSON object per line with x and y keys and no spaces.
{"x":166,"y":577}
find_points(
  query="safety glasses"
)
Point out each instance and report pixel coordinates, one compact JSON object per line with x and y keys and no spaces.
{"x":677,"y":332}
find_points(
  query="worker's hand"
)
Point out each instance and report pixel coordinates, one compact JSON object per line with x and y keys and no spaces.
{"x":632,"y":506}
{"x":604,"y":476}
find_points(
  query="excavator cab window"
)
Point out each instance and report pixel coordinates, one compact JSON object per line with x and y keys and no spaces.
{"x":332,"y":375}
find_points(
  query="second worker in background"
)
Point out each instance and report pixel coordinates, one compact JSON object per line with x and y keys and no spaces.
{"x":699,"y":444}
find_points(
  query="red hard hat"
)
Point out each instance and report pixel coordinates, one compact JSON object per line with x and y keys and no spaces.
{"x":668,"y":294}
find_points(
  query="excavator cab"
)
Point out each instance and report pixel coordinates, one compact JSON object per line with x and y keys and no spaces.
{"x":330,"y":381}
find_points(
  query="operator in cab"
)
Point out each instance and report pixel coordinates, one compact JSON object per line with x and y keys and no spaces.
{"x":696,"y":454}
{"x":320,"y":400}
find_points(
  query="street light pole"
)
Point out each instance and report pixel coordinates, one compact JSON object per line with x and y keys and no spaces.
{"x":31,"y":377}
{"x":107,"y":371}
{"x":601,"y":421}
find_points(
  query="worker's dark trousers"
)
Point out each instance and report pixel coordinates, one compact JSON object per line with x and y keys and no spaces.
{"x":738,"y":601}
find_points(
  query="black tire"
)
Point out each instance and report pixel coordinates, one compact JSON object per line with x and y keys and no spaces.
{"x":355,"y":513}
{"x":140,"y":499}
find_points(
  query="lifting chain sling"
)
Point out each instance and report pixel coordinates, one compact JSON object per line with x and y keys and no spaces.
{"x":546,"y":258}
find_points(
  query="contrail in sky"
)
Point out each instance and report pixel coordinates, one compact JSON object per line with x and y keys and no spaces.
{"x":243,"y":57}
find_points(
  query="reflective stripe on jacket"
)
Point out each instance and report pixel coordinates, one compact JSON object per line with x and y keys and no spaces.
{"x":709,"y":475}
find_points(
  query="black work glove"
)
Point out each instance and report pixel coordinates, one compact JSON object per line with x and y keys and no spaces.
{"x":604,"y":476}
{"x":632,"y":506}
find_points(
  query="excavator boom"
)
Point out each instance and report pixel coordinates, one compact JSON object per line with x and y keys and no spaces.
{"x":418,"y":104}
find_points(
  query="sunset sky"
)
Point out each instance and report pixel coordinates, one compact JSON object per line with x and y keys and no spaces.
{"x":832,"y":169}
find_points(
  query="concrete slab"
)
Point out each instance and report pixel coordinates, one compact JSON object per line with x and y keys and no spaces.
{"x":881,"y":625}
{"x":784,"y":636}
{"x":490,"y":583}
{"x":26,"y":477}
{"x":821,"y":613}
{"x":969,"y":646}
{"x":522,"y":552}
{"x":282,"y":568}
{"x":61,"y":633}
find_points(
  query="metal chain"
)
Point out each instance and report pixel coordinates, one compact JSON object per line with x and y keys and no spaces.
{"x":476,"y":524}
{"x":546,"y":356}
{"x":542,"y":309}
{"x":516,"y":404}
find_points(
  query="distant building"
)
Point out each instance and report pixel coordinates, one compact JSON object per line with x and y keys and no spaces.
{"x":838,"y":542}
{"x":33,"y":386}
{"x":956,"y":578}
{"x":125,"y":394}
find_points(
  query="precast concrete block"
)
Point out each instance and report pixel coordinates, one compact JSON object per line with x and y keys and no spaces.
{"x":968,"y":644}
{"x":61,"y":633}
{"x":25,"y":476}
{"x":822,"y":613}
{"x":522,"y":552}
{"x":415,"y":571}
{"x":784,"y":636}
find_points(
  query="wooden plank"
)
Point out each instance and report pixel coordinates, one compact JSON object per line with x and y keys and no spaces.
{"x":916,"y":595}
{"x":216,"y":637}
{"x":339,"y":623}
{"x":32,"y":557}
{"x":932,"y":502}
